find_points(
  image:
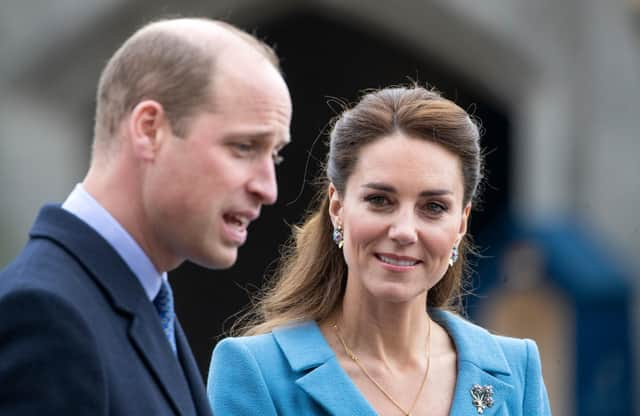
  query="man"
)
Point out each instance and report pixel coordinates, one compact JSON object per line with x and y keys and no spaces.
{"x":191,"y":115}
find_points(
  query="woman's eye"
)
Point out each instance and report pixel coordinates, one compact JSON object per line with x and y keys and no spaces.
{"x":377,"y":200}
{"x":435,"y":208}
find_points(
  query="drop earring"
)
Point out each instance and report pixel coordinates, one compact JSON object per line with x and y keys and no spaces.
{"x":454,"y":256}
{"x":338,"y":237}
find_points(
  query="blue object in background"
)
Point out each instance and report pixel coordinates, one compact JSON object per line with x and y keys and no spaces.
{"x":598,"y":290}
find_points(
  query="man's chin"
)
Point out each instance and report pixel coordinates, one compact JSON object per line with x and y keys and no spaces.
{"x":220,"y":260}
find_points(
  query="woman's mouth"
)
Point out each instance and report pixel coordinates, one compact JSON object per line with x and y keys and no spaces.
{"x":397,"y":261}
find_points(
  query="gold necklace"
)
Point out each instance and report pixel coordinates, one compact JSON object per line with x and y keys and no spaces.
{"x":355,"y":359}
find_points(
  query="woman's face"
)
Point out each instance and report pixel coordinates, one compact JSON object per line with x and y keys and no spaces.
{"x":401,"y":214}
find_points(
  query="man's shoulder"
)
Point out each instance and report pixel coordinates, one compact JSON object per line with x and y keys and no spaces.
{"x":42,"y":265}
{"x":45,"y":271}
{"x":61,"y":256}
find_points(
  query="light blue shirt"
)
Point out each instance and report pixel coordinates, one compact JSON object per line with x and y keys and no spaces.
{"x":81,"y":204}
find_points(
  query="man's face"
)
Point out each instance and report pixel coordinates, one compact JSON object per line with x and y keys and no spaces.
{"x":205,"y":188}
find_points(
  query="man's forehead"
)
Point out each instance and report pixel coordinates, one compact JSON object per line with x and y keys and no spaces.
{"x":255,"y":91}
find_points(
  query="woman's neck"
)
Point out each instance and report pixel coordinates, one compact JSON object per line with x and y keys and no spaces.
{"x":394,"y":333}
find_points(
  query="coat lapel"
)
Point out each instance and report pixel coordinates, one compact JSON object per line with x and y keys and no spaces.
{"x":332,"y":389}
{"x":191,"y":372}
{"x":125,"y":293}
{"x":468,"y":376}
{"x":480,"y":362}
{"x":161,"y":361}
{"x":322,"y":377}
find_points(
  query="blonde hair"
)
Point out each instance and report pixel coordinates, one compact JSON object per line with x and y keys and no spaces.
{"x":311,"y":278}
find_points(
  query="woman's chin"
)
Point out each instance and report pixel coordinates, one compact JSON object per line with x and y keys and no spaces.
{"x":396,"y":293}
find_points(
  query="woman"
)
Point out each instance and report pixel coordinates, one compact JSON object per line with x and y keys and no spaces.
{"x":343,"y":328}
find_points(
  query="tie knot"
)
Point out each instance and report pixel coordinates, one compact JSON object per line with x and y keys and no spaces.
{"x":164,"y":304}
{"x":164,"y":299}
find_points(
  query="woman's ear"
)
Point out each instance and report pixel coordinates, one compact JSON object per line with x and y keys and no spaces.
{"x":464,"y":221}
{"x":335,"y":205}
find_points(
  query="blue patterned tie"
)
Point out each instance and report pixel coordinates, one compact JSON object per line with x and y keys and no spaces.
{"x":164,"y":304}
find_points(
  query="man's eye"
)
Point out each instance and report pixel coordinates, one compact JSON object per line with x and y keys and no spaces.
{"x":243,"y":147}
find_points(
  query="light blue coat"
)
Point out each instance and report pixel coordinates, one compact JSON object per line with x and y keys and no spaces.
{"x":293,"y":371}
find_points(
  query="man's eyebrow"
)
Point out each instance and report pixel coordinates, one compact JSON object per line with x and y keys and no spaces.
{"x":248,"y":136}
{"x":259,"y":136}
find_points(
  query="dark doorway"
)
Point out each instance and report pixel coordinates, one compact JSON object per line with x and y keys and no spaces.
{"x":322,"y":58}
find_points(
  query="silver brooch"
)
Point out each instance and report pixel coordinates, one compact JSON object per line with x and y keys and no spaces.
{"x":482,"y":397}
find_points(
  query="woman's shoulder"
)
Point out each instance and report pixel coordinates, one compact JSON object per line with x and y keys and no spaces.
{"x":274,"y":355}
{"x":246,"y":341}
{"x":498,"y":359}
{"x":469,"y":336}
{"x":271,"y":342}
{"x":512,"y":346}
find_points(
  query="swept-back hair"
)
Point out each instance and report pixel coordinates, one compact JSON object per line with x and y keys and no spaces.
{"x":311,"y":278}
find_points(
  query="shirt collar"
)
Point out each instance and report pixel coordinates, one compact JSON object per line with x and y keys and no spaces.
{"x":84,"y":206}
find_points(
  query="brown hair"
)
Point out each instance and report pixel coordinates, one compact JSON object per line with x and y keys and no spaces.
{"x":164,"y":65}
{"x":311,"y":279}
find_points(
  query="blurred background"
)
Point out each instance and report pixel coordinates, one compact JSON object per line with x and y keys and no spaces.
{"x":556,"y":85}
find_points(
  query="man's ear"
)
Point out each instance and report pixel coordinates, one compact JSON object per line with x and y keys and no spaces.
{"x":147,"y":127}
{"x":335,"y":205}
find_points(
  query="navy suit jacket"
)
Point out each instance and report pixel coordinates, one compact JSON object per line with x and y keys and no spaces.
{"x":79,"y":336}
{"x":293,"y":371}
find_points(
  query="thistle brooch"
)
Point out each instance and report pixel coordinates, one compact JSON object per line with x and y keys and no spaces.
{"x":482,"y":397}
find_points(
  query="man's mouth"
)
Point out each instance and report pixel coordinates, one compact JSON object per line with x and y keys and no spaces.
{"x":239,"y":221}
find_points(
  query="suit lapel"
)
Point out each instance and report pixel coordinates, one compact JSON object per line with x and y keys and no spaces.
{"x":125,"y":293}
{"x":480,"y":362}
{"x":161,"y":361}
{"x":192,"y":373}
{"x":322,"y":377}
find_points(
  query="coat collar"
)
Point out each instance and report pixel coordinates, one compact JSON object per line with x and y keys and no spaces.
{"x":192,"y":373}
{"x":474,"y":344}
{"x":327,"y":383}
{"x":125,"y":294}
{"x":480,"y":361}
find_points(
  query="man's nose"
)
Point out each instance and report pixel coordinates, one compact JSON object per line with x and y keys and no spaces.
{"x":263,"y":183}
